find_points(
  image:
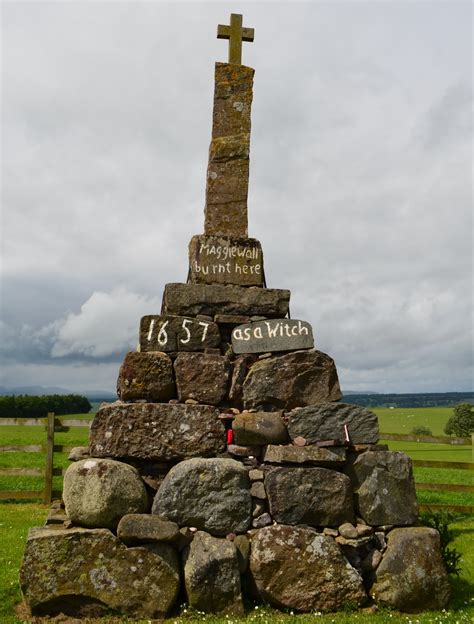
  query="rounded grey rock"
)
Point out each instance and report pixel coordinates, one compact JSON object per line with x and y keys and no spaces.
{"x":98,"y":492}
{"x":210,"y":494}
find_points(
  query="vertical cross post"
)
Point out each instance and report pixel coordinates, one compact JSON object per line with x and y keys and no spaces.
{"x":235,"y":34}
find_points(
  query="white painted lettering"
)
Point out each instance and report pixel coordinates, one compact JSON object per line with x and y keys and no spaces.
{"x":302,"y":329}
{"x":237,"y":334}
{"x":204,"y":333}
{"x":150,"y":331}
{"x":247,"y":333}
{"x":272,"y":332}
{"x":162,"y":335}
{"x":257,"y":333}
{"x":184,"y":325}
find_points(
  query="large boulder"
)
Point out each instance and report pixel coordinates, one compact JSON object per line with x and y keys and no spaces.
{"x":326,"y":421}
{"x":147,"y":376}
{"x":384,"y":488}
{"x":98,"y":492}
{"x":209,"y":494}
{"x":411,"y":576}
{"x":156,"y":431}
{"x":255,"y":428}
{"x":297,"y":568}
{"x":212,"y":575}
{"x":202,"y":377}
{"x":88,"y":572}
{"x":313,"y":496}
{"x":292,"y":380}
{"x":211,"y":299}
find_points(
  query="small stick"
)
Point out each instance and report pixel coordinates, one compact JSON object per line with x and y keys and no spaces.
{"x":346,"y":431}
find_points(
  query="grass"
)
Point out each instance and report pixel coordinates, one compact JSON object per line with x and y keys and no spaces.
{"x":16,"y":518}
{"x":403,"y":419}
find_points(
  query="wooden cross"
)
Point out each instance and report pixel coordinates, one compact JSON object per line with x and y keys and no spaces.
{"x":236,"y":34}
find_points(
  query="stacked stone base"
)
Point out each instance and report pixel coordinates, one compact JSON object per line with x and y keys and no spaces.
{"x":230,"y":477}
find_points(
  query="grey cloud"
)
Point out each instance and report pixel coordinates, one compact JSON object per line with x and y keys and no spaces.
{"x":449,"y":120}
{"x":360,"y":187}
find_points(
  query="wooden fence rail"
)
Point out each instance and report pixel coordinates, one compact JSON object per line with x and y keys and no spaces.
{"x":412,"y":437}
{"x":51,"y":424}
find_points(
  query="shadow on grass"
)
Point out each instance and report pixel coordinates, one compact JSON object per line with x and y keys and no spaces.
{"x":462,"y":590}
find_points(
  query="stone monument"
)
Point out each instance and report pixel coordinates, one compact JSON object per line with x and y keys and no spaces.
{"x":229,"y":470}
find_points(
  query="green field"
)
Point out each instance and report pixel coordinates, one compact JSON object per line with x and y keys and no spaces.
{"x":403,"y":419}
{"x":16,"y":518}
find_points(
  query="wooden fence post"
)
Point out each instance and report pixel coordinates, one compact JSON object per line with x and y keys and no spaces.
{"x":48,"y":473}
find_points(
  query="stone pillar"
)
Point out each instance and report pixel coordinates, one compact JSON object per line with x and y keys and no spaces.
{"x":228,"y":169}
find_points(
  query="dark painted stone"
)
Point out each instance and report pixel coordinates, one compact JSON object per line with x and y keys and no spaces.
{"x":254,"y":428}
{"x":291,"y":380}
{"x":225,"y":260}
{"x":177,"y":333}
{"x":228,"y":169}
{"x":201,"y":376}
{"x":211,"y":299}
{"x":272,"y":335}
{"x":87,"y":573}
{"x":385,"y":488}
{"x":313,"y":496}
{"x":210,"y":494}
{"x":297,"y":568}
{"x":304,"y":455}
{"x":411,"y":576}
{"x":326,"y":421}
{"x":156,"y":431}
{"x":147,"y":376}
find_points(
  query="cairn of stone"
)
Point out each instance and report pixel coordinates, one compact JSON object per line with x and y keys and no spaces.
{"x":229,"y":471}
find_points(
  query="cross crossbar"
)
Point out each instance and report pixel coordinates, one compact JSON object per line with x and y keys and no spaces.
{"x":235,"y":33}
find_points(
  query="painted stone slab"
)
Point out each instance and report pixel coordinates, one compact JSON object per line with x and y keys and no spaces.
{"x":272,"y":335}
{"x":177,"y":333}
{"x":225,"y":260}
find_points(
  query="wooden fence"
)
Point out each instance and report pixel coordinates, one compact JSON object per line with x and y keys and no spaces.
{"x":413,"y":437}
{"x":421,"y":463}
{"x":52,"y":424}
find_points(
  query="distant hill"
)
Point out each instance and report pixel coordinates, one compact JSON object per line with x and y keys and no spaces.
{"x":347,"y":392}
{"x":92,"y":395}
{"x":33,"y":390}
{"x":422,"y":399}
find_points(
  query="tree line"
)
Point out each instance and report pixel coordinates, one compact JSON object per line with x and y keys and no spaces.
{"x":28,"y":406}
{"x":426,"y":399}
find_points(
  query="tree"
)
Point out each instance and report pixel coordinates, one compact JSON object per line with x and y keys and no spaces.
{"x":461,"y":423}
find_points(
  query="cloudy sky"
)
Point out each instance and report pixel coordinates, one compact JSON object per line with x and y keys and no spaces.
{"x":360,"y":187}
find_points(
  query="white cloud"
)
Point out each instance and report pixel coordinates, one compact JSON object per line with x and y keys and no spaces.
{"x":106,"y":324}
